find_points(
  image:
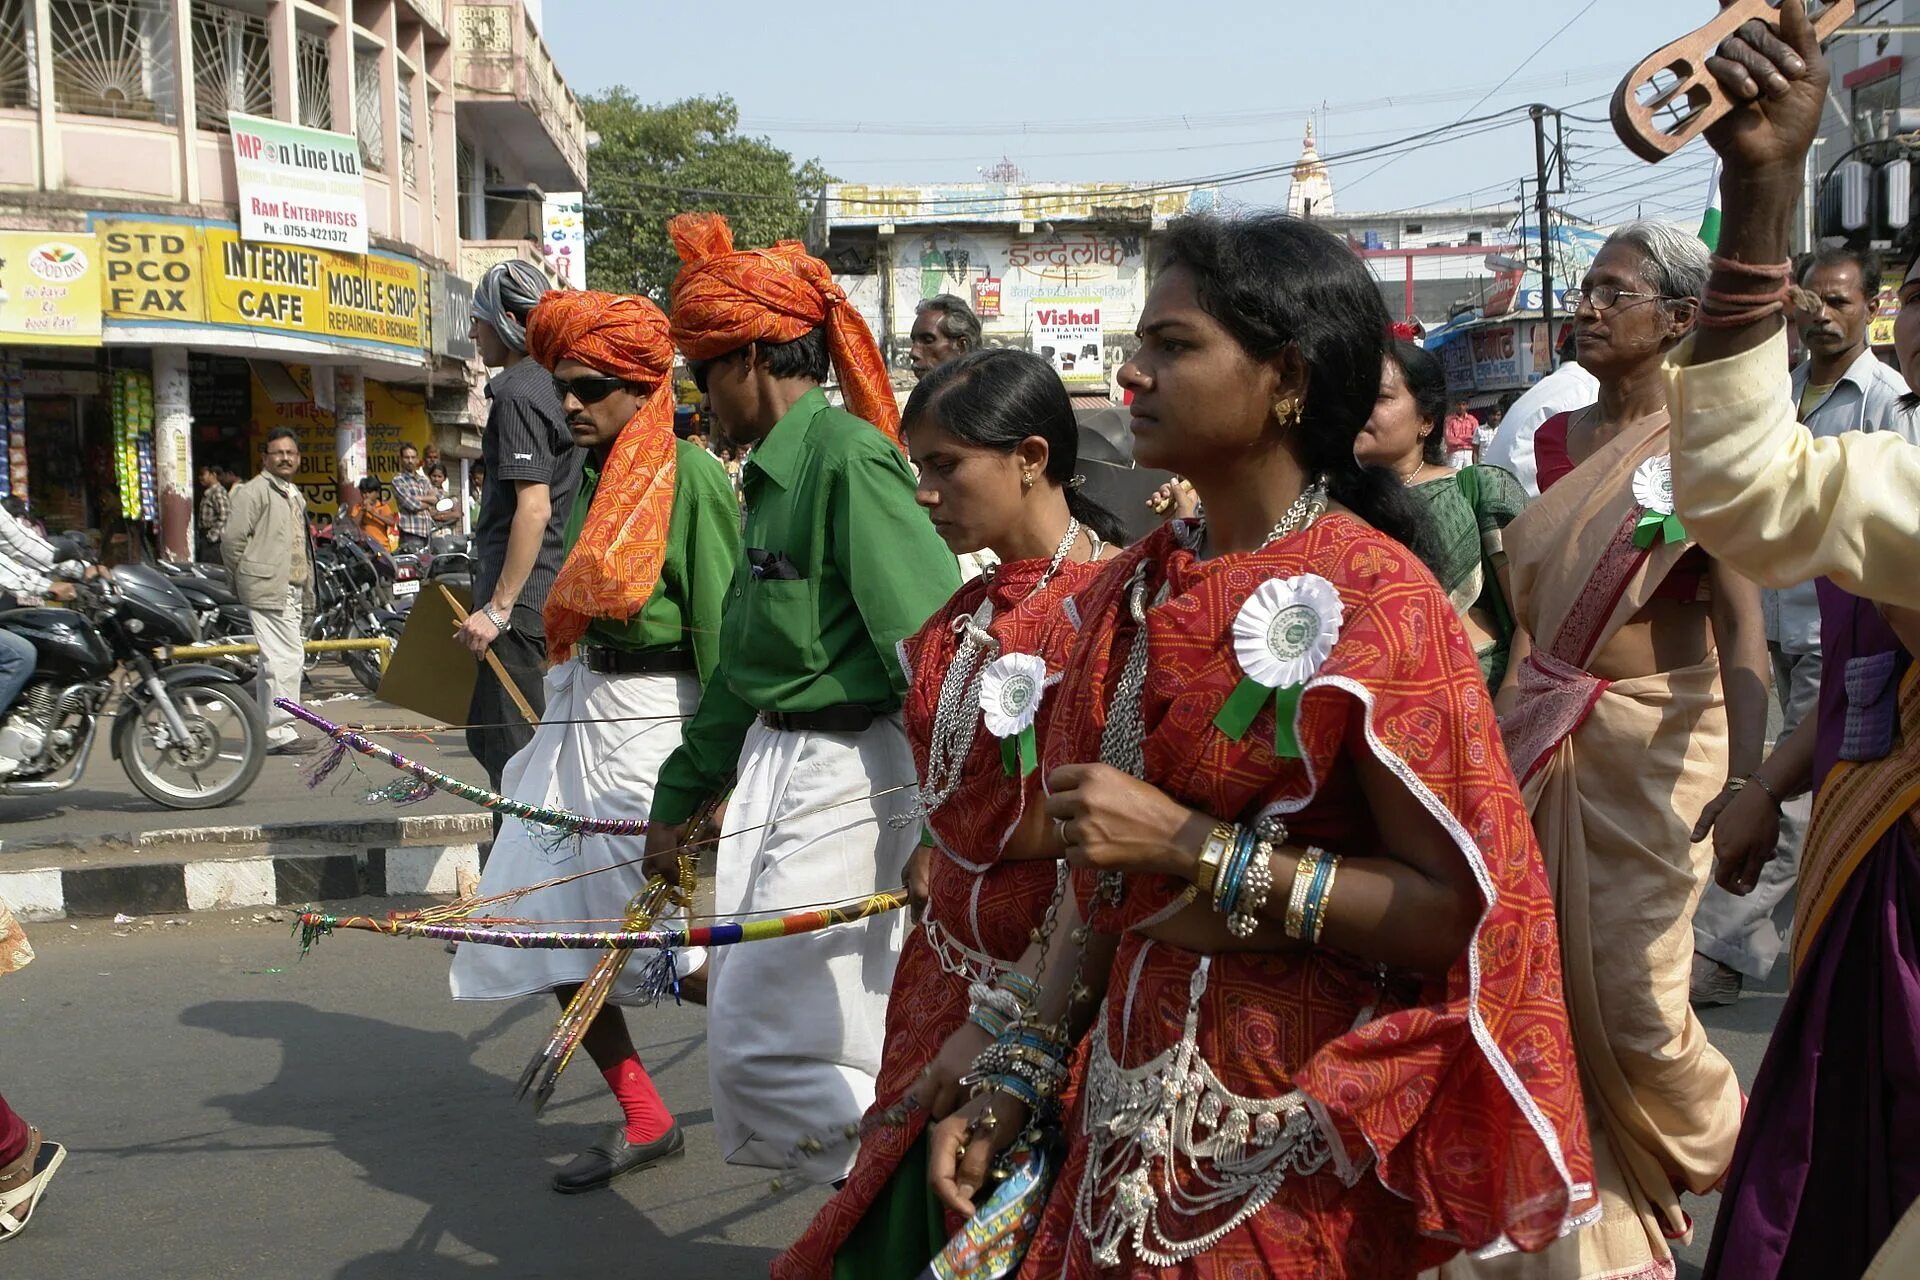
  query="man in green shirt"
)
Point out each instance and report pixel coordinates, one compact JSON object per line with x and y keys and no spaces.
{"x":633,"y":622}
{"x":840,"y":566}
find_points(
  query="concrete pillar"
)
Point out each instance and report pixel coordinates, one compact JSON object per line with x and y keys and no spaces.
{"x":173,"y":451}
{"x":350,"y":423}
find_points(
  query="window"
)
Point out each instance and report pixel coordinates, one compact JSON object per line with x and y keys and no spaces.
{"x":368,"y":120}
{"x":463,"y":178}
{"x":232,"y":70}
{"x":313,"y":66}
{"x":1414,"y":229}
{"x":17,"y":55}
{"x":1874,"y":106}
{"x":406,"y":130}
{"x":113,"y":58}
{"x":1475,"y":237}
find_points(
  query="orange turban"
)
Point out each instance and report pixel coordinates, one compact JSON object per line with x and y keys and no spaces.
{"x":615,"y":563}
{"x":723,"y":299}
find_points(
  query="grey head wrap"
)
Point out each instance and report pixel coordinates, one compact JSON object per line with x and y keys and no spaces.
{"x":504,"y":296}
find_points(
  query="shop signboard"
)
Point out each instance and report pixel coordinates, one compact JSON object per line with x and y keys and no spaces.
{"x":298,"y":186}
{"x":49,"y":289}
{"x":1456,"y":357}
{"x":395,"y":416}
{"x":1497,"y":357}
{"x":450,"y":315}
{"x":185,"y":273}
{"x":564,"y":237}
{"x":986,"y":297}
{"x":1067,"y":332}
{"x":1886,"y":309}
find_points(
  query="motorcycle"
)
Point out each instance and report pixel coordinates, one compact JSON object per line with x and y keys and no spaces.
{"x":353,"y":594}
{"x":189,"y":735}
{"x":223,"y":619}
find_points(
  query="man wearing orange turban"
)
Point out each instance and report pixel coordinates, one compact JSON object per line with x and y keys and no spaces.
{"x":633,"y":622}
{"x":841,"y":565}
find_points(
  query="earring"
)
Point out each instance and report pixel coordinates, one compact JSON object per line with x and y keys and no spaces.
{"x":1287,"y":411}
{"x":1026,"y":479}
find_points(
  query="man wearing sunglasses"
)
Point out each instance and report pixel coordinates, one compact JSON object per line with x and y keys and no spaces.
{"x":839,"y":567}
{"x":633,"y":624}
{"x":532,"y":470}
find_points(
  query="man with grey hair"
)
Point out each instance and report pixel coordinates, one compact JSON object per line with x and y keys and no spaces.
{"x":944,"y":328}
{"x":532,"y":469}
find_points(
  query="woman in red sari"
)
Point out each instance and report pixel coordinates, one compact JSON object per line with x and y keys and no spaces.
{"x":1332,"y":1042}
{"x":994,"y":439}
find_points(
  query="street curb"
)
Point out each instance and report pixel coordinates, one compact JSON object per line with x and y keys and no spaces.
{"x":269,"y":879}
{"x":369,"y":832}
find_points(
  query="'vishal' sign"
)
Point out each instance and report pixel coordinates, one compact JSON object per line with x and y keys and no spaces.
{"x":298,"y":186}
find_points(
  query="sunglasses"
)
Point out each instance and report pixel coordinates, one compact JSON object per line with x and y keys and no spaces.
{"x":699,"y":370}
{"x":591,"y":389}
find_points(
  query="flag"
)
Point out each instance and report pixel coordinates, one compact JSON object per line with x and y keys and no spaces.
{"x":1710,"y":220}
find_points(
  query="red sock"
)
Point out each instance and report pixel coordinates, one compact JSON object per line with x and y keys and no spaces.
{"x":647,"y":1116}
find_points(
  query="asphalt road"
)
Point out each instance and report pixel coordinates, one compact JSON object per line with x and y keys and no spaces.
{"x":103,"y":802}
{"x":233,"y":1110}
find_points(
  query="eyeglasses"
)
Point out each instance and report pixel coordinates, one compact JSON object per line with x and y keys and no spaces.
{"x":1603,"y":297}
{"x":591,"y":389}
{"x":699,"y":370}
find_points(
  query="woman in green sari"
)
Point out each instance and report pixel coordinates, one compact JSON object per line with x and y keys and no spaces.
{"x":1467,"y":509}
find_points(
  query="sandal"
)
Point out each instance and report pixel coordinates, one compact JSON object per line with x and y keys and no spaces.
{"x":21,"y":1190}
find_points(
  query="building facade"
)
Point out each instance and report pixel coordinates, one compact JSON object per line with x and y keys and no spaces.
{"x":171,"y":293}
{"x":1056,"y":268}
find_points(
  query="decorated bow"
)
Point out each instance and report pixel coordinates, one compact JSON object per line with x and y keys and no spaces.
{"x":1283,"y":633}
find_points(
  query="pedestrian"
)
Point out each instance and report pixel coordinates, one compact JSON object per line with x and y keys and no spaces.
{"x":476,"y":484}
{"x":269,"y":559}
{"x":412,"y":494}
{"x":532,"y":470}
{"x":944,"y":328}
{"x":445,"y":510}
{"x":376,"y":517}
{"x":1842,"y":386}
{"x":1460,"y":430}
{"x":27,"y":1161}
{"x":1824,"y":1179}
{"x":992,"y":434}
{"x":633,"y":625}
{"x":1467,"y":508}
{"x":840,"y":566}
{"x":1320,"y":939}
{"x":212,"y":515}
{"x":1635,"y":705}
{"x":230,"y":478}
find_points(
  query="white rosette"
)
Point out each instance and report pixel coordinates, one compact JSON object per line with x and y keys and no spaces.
{"x":1653,"y":490}
{"x":1283,"y":635}
{"x":1010,"y":692}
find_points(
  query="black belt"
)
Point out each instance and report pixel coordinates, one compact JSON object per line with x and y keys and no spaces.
{"x":646,"y":662}
{"x":848,"y":717}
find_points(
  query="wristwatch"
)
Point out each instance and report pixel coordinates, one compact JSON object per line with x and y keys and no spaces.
{"x":499,"y":623}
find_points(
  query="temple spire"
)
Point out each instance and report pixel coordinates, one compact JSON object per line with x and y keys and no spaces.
{"x":1311,"y":194}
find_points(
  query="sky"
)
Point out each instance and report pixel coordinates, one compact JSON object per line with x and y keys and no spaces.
{"x":1119,"y":90}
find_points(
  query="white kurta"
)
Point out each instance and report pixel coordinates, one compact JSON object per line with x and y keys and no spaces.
{"x":796,"y":1025}
{"x":605,"y":769}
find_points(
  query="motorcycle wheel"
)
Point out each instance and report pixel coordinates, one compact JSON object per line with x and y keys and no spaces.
{"x":365,"y":664}
{"x":229,"y":746}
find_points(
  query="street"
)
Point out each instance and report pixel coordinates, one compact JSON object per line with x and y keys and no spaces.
{"x":233,"y":1110}
{"x":105,"y":803}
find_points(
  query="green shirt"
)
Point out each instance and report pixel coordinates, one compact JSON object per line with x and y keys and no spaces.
{"x":835,"y":497}
{"x":703,"y":545}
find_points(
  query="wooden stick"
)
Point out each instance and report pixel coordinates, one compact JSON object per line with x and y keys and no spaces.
{"x":493,"y":660}
{"x":1694,"y":95}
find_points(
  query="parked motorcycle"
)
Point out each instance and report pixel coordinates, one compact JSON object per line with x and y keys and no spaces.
{"x":188,"y":735}
{"x":353,"y":598}
{"x":223,"y":619}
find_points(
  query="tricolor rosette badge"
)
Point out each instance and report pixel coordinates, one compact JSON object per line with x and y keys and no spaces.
{"x":1653,"y":490}
{"x":1283,"y":635}
{"x":1010,"y":690}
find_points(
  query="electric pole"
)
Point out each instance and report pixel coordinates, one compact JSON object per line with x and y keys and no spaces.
{"x":1539,"y":114}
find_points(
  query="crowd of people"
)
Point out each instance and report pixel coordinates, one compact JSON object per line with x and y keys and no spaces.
{"x":1319,"y":886}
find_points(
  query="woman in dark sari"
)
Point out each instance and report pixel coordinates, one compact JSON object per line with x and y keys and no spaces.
{"x":1467,"y":509}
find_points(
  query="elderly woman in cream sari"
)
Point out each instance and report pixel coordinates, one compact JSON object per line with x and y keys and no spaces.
{"x":1634,"y":708}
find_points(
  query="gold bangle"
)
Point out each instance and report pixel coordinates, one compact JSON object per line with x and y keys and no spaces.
{"x":1325,"y":900}
{"x":1219,"y":842}
{"x":1296,"y":923}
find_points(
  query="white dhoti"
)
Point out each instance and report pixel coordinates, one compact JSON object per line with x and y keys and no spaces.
{"x":605,"y":768}
{"x":796,"y":1025}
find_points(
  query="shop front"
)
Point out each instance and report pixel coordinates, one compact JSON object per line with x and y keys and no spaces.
{"x":52,"y":418}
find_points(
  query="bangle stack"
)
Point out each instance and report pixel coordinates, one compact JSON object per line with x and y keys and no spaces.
{"x":1743,"y":293}
{"x":1000,"y":1008}
{"x":1245,"y":875}
{"x":1312,"y":888}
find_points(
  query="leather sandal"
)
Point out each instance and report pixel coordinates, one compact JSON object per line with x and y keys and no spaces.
{"x":613,"y":1156}
{"x":24,"y":1182}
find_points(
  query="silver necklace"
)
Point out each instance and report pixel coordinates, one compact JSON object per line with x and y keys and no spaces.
{"x":1300,"y":513}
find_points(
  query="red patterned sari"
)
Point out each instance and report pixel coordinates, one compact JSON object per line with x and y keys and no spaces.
{"x":1297,"y":1115}
{"x":980,"y":911}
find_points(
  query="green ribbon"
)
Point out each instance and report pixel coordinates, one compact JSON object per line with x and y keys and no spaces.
{"x":1020,"y":753}
{"x":1653,"y":524}
{"x":1244,"y":703}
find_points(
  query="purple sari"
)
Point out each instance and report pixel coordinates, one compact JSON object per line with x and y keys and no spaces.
{"x":1829,"y":1156}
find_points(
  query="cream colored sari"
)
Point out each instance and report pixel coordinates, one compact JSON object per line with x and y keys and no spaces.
{"x":1615,"y":774}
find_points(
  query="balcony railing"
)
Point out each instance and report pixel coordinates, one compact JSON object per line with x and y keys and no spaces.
{"x":498,"y":54}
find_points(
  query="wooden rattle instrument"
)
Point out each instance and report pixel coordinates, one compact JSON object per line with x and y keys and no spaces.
{"x":1671,"y":98}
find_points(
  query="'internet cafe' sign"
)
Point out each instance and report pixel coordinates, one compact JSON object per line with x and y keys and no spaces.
{"x":298,"y":185}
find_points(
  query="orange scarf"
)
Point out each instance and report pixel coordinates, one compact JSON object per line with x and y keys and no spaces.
{"x":723,"y":299}
{"x":615,"y":563}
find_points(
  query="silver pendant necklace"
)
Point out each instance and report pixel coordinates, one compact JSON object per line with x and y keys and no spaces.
{"x":1300,"y":513}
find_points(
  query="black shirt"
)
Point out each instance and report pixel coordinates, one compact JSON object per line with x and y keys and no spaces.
{"x":526,"y":440}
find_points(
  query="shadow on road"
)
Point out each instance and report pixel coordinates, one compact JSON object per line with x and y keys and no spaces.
{"x":424,"y":1122}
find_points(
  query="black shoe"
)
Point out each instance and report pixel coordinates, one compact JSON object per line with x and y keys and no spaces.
{"x":613,"y":1155}
{"x":298,"y":747}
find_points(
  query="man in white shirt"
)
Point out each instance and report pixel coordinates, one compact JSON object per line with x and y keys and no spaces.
{"x":26,"y":563}
{"x":1564,"y":390}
